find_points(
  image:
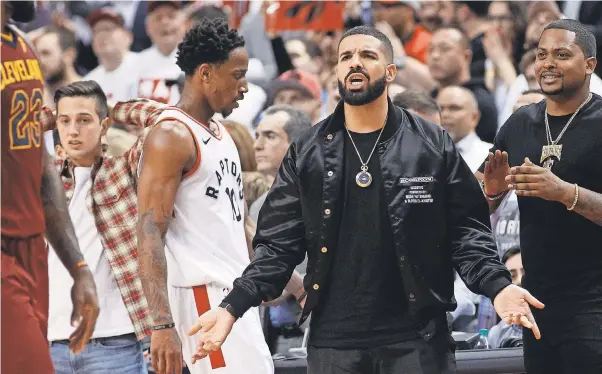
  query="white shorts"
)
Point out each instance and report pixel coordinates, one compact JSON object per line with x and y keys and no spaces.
{"x":245,"y":350}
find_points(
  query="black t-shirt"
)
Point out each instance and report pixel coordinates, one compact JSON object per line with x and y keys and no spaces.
{"x":561,"y":250}
{"x":364,"y":303}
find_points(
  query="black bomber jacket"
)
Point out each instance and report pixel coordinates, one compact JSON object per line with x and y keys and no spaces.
{"x":439,"y":217}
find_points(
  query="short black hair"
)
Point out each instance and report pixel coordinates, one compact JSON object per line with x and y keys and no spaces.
{"x":67,"y":39}
{"x":512,"y":251}
{"x":297,"y":123}
{"x":207,"y":42}
{"x":209,"y":12}
{"x":583,"y":37}
{"x":85,"y":89}
{"x":367,"y":30}
{"x":479,"y":8}
{"x":417,"y":101}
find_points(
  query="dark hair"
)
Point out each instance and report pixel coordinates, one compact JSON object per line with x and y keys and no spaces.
{"x":85,"y":89}
{"x":512,"y":251}
{"x":583,"y":37}
{"x":464,"y":40}
{"x":371,"y":31}
{"x":417,"y":101}
{"x":209,"y":12}
{"x":207,"y":42}
{"x":297,"y":123}
{"x":479,"y":8}
{"x":528,"y":58}
{"x":66,"y":38}
{"x":533,"y":91}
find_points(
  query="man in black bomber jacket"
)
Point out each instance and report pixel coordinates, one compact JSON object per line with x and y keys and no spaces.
{"x":386,"y":209}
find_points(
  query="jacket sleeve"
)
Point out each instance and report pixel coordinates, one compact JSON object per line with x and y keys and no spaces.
{"x":474,"y":252}
{"x":279,"y":242}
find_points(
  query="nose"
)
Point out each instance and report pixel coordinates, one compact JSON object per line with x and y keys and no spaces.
{"x":244,"y":88}
{"x":72,"y":129}
{"x":355,"y":62}
{"x":258,"y":144}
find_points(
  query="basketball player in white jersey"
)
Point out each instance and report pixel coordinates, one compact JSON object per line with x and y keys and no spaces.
{"x":191,"y":210}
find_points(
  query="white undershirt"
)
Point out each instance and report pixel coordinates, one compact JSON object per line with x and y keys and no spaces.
{"x":113,"y":319}
{"x":473,"y":150}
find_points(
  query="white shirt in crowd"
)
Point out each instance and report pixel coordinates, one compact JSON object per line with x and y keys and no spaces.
{"x":113,"y":319}
{"x":153,"y":70}
{"x":120,"y":84}
{"x":473,"y":150}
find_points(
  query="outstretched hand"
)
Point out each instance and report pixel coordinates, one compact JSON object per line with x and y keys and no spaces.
{"x":512,"y":305}
{"x":214,"y":326}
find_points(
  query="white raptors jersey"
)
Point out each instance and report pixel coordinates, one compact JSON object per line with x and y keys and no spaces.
{"x":206,"y":240}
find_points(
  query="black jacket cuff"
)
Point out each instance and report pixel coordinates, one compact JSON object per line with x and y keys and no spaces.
{"x":492,"y":287}
{"x":240,"y":300}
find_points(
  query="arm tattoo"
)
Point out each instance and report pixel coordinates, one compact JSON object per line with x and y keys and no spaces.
{"x":153,"y":265}
{"x":59,"y":228}
{"x":590,"y":205}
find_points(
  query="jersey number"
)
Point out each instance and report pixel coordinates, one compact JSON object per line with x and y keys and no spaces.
{"x":235,"y":209}
{"x":24,"y":122}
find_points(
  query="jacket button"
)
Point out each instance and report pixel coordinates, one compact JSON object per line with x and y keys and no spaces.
{"x":411,"y":296}
{"x":327,"y":212}
{"x":316,"y":287}
{"x":330,"y":173}
{"x":324,"y":249}
{"x":329,"y":136}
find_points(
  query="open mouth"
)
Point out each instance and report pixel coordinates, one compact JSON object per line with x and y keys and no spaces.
{"x":550,"y":77}
{"x":356,"y":81}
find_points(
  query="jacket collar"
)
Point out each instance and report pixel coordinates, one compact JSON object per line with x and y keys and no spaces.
{"x":336,"y":121}
{"x":67,"y":167}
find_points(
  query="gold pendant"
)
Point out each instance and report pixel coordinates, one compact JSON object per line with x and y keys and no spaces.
{"x":549,"y":151}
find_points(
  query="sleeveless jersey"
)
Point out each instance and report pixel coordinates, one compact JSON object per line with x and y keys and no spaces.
{"x":22,"y":89}
{"x":206,"y":239}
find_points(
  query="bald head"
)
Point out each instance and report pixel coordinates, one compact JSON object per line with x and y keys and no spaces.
{"x":459,"y":111}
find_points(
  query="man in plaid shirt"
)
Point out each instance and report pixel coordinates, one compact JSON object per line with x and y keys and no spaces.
{"x":101,"y":194}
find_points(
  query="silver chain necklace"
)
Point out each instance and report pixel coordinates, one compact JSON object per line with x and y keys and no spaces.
{"x":363,"y":178}
{"x":553,"y":149}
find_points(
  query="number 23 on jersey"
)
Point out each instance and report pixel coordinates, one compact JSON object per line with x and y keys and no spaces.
{"x":24,"y":123}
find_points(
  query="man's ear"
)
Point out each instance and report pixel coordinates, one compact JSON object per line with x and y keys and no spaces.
{"x":590,"y":65}
{"x":391,"y":73}
{"x":105,"y":126}
{"x":204,"y":72}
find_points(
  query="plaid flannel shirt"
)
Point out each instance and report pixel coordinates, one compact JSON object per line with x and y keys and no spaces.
{"x":113,"y":203}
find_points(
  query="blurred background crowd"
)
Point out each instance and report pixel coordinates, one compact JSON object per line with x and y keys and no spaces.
{"x":466,"y":65}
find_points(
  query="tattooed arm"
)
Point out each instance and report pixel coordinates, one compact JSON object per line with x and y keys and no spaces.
{"x":589,"y":204}
{"x":168,"y":152}
{"x":61,"y":236}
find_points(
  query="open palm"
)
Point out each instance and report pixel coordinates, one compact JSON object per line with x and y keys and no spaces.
{"x":496,"y":170}
{"x":513,"y":305}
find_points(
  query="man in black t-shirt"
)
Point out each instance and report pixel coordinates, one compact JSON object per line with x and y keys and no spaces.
{"x":549,"y":154}
{"x":383,"y":205}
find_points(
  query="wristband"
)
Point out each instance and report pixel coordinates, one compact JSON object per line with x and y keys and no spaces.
{"x":79,"y":265}
{"x":163,"y":327}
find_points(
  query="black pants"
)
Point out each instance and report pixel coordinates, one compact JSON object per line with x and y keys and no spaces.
{"x":418,"y":356}
{"x":571,"y":342}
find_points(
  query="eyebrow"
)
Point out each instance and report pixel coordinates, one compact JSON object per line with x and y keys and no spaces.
{"x":77,"y":114}
{"x":362,"y":50}
{"x":563,"y":47}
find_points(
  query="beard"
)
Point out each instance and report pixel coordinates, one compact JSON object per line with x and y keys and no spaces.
{"x":370,"y":93}
{"x":57,"y":76}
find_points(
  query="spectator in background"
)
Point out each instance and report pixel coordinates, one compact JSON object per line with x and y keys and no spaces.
{"x":434,"y":14}
{"x":165,"y":25}
{"x":244,"y":144}
{"x":116,"y":72}
{"x":419,"y":103}
{"x":279,"y":126}
{"x":471,"y":17}
{"x":56,"y":48}
{"x":503,"y":334}
{"x":532,"y":96}
{"x":401,"y":15}
{"x":449,"y":63}
{"x":306,"y":55}
{"x":299,"y":89}
{"x":459,"y":116}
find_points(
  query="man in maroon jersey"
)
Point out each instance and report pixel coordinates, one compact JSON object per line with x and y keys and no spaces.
{"x":33,"y":204}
